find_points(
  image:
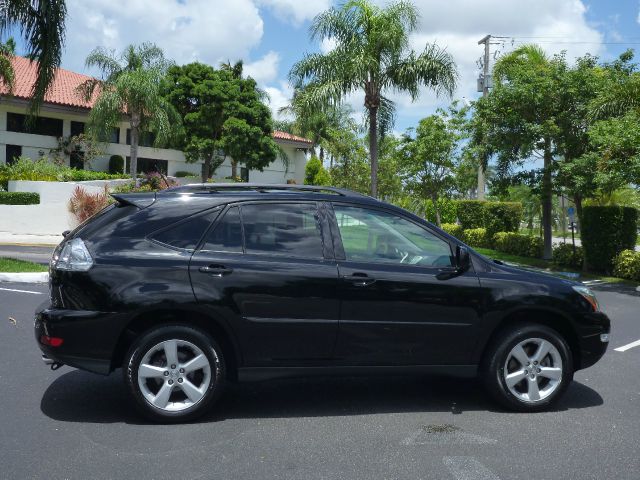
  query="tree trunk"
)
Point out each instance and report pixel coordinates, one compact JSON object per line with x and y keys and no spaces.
{"x":133,"y":155}
{"x":321,"y":154}
{"x":547,"y":201}
{"x":577,"y":199}
{"x":234,"y":169}
{"x":206,"y":169}
{"x":373,"y":149}
{"x":434,"y":200}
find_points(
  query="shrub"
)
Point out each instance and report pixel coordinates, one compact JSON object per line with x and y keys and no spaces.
{"x":476,"y":237}
{"x":315,"y":173}
{"x":502,"y":217}
{"x":75,"y":175}
{"x":156,"y":181}
{"x":471,"y":213}
{"x":130,"y":187}
{"x":83,"y":204}
{"x":116,"y":164}
{"x":447,"y":207}
{"x":627,"y":265}
{"x":607,"y":231}
{"x":452,"y":229}
{"x":183,"y":173}
{"x":19,"y":198}
{"x":517,"y":244}
{"x":563,"y":255}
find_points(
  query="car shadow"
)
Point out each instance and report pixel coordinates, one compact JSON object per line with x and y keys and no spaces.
{"x":79,"y":396}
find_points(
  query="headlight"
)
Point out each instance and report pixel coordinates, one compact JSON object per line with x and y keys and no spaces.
{"x":73,"y":257}
{"x":588,"y":295}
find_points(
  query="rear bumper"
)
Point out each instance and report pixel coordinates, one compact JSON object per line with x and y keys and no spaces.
{"x":89,"y":337}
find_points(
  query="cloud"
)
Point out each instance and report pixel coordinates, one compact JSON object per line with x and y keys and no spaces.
{"x":186,"y":31}
{"x":264,"y":70}
{"x":279,"y":97}
{"x":295,"y":11}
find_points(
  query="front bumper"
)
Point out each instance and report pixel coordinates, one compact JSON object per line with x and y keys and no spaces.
{"x":89,"y":337}
{"x":593,"y":338}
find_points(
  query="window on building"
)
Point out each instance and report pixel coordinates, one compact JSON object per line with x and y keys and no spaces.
{"x":13,"y":152}
{"x":77,"y":128}
{"x":146,"y":139}
{"x":146,"y":165}
{"x":282,"y":229}
{"x":227,"y":234}
{"x":17,"y":122}
{"x":187,"y":234}
{"x":115,"y":135}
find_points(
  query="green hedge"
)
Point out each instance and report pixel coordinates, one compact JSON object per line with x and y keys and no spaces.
{"x":476,"y":237}
{"x":116,"y":164}
{"x":452,"y":229}
{"x":517,"y":244}
{"x":563,"y":255}
{"x":502,"y":217}
{"x":627,"y":265}
{"x":182,"y":174}
{"x":448,"y":210}
{"x":607,"y":231}
{"x":471,"y":214}
{"x":19,"y":198}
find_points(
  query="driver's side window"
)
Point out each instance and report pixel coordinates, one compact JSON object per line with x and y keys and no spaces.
{"x":370,"y":235}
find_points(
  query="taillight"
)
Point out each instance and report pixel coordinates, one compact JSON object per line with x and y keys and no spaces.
{"x":74,"y":257}
{"x":51,"y":341}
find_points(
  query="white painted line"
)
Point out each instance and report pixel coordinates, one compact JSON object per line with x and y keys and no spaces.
{"x":626,"y":347}
{"x":468,"y":468}
{"x":20,"y":291}
{"x":26,"y":277}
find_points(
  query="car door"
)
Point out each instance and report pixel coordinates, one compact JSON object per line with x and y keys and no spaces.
{"x":400,"y":304}
{"x":267,"y":269}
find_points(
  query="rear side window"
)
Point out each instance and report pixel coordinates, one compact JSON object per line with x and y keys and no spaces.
{"x":188,"y":233}
{"x":226,"y":236}
{"x":290,"y":229}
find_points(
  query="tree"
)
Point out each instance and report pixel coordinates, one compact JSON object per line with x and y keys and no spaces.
{"x":131,"y":87}
{"x":428,"y":161}
{"x":315,"y":173}
{"x":7,"y":75}
{"x":372,"y":56}
{"x":42,"y":25}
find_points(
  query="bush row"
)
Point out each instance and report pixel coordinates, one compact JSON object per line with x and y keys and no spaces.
{"x":493,"y":216}
{"x":19,"y":198}
{"x":564,"y":255}
{"x":627,"y":265}
{"x":517,"y":244}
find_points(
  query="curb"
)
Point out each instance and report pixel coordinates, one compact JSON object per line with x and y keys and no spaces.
{"x":25,"y":277}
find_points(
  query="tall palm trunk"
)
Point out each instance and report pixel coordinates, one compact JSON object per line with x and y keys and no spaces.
{"x":546,"y":201}
{"x":373,"y":149}
{"x":135,"y":138}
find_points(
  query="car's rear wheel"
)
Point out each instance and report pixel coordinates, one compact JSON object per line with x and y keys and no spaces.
{"x":174,"y":373}
{"x":528,"y":367}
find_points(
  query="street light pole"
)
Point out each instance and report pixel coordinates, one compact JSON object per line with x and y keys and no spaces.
{"x":485,"y":91}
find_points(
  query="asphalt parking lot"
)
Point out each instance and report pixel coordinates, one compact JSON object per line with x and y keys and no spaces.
{"x":70,"y":424}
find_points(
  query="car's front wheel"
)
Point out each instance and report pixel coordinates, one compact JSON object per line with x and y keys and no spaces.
{"x":528,"y":367}
{"x":174,"y":373}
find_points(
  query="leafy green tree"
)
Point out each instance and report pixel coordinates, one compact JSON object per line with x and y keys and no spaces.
{"x":7,"y":75}
{"x":131,"y":87}
{"x":221,"y":112}
{"x":315,"y":173}
{"x":372,"y":56}
{"x":41,"y":24}
{"x":428,"y":161}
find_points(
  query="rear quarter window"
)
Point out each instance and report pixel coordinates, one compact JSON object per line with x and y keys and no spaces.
{"x":186,"y":234}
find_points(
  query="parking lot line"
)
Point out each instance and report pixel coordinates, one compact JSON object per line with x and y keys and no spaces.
{"x":20,"y":291}
{"x":626,"y":347}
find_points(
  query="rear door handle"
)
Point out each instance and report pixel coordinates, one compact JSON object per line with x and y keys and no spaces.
{"x":216,"y":270}
{"x":359,"y":279}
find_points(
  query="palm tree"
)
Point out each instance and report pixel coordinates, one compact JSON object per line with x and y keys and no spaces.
{"x":131,"y":88}
{"x":7,"y":75}
{"x":41,"y":25}
{"x":372,"y":55}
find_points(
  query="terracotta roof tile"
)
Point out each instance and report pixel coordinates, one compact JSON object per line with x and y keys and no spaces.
{"x":290,"y":137}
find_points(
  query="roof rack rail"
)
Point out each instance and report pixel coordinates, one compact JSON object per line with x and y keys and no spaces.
{"x":260,"y":187}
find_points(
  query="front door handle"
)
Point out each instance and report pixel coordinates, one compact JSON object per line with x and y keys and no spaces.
{"x":359,"y":279}
{"x":216,"y":270}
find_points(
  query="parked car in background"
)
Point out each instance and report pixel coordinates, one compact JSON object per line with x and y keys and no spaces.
{"x":196,"y":286}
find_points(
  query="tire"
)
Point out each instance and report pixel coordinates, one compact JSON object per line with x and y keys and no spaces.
{"x":178,"y":394}
{"x":531,"y":387}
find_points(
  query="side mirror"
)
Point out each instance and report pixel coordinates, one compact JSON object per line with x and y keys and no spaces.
{"x":463,"y":260}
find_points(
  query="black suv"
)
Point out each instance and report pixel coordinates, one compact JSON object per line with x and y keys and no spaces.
{"x":195,"y":286}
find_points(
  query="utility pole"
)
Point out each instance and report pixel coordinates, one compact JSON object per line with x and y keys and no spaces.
{"x":485,"y":91}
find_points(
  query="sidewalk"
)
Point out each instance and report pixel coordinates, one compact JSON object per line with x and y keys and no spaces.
{"x":7,"y":238}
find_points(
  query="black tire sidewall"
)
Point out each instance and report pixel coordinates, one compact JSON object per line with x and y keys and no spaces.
{"x":493,"y":369}
{"x":178,"y":332}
